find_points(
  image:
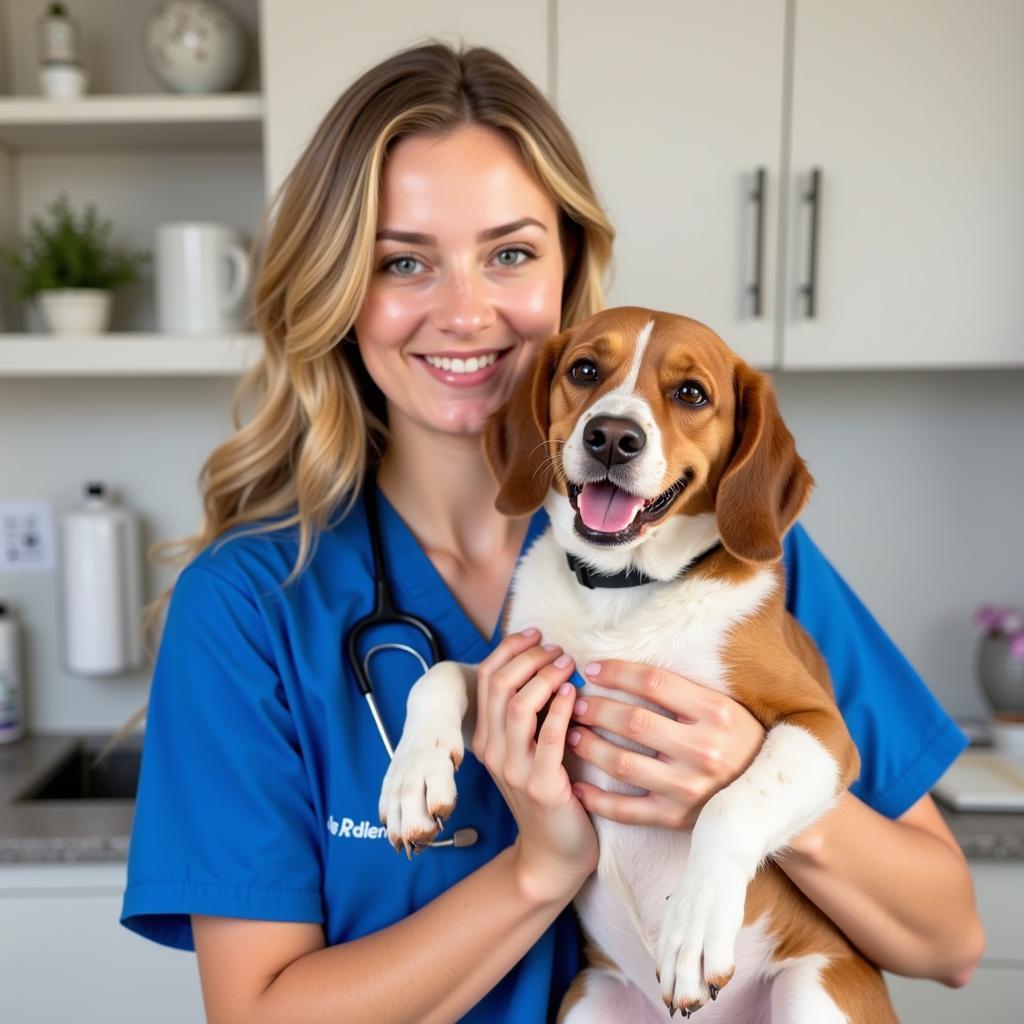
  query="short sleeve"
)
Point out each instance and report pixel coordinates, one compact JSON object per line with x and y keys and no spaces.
{"x":224,"y":822}
{"x":905,"y":738}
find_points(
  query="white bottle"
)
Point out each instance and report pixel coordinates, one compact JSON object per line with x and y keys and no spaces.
{"x":12,"y":701}
{"x":101,"y":586}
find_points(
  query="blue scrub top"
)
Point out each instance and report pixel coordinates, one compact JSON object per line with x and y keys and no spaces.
{"x":262,"y":766}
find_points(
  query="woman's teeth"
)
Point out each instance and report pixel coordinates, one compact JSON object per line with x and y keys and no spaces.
{"x":470,"y":365}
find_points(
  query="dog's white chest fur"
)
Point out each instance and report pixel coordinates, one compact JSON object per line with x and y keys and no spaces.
{"x":679,"y":626}
{"x":682,"y":627}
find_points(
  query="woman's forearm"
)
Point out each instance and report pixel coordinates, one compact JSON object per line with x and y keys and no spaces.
{"x":899,"y":893}
{"x":432,"y":966}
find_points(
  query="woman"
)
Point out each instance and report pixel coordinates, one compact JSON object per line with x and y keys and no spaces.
{"x":441,"y":215}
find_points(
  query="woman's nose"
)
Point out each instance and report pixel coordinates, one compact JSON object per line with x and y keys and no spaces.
{"x":462,"y":307}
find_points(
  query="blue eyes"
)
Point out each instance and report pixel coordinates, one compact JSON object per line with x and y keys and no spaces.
{"x":408,"y":266}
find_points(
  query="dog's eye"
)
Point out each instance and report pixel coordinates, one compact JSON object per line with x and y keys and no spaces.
{"x":691,"y":393}
{"x":584,"y":371}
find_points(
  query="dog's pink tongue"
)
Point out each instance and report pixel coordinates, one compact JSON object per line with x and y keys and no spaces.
{"x":604,"y":507}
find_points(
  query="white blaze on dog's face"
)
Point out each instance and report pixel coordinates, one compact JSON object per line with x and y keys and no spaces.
{"x":641,"y":412}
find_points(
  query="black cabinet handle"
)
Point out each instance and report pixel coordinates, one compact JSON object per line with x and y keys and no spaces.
{"x":810,"y":290}
{"x":756,"y":289}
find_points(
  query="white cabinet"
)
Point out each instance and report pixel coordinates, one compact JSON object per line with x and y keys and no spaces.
{"x":65,"y":956}
{"x":910,"y":112}
{"x":675,"y":106}
{"x":313,"y":50}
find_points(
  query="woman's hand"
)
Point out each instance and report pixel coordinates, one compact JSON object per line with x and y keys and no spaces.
{"x":557,"y":847}
{"x":707,"y":742}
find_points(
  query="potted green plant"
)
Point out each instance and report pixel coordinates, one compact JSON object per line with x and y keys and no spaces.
{"x":69,"y":266}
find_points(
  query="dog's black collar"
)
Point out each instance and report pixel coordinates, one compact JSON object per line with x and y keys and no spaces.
{"x":592,"y":579}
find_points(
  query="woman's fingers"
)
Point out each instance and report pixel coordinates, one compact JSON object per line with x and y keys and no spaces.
{"x":629,"y":810}
{"x":521,"y":721}
{"x":547,"y":761}
{"x":683,"y":697}
{"x":501,"y":685}
{"x":510,"y":646}
{"x":628,"y":766}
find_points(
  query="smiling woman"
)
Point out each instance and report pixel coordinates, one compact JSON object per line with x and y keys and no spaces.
{"x":446,"y":296}
{"x":437,"y":229}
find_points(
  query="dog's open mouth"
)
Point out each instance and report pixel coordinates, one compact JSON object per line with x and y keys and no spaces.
{"x":606,"y":514}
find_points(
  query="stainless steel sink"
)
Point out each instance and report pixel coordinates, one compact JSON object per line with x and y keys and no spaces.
{"x":87,"y":773}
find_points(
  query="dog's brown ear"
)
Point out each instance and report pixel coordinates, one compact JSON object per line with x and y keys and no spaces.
{"x":766,"y":483}
{"x":516,"y":436}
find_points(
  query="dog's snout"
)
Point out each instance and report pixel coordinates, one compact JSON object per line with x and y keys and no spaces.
{"x":612,"y":440}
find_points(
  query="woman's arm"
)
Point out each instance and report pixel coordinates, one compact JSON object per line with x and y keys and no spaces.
{"x":876,"y":878}
{"x":433,"y":966}
{"x":444,"y":958}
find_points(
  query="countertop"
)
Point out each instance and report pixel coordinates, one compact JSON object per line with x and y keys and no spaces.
{"x":90,"y":831}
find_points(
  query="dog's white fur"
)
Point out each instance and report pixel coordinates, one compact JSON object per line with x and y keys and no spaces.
{"x":659,"y":898}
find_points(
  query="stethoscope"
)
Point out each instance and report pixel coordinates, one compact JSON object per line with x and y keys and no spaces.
{"x":386,"y":613}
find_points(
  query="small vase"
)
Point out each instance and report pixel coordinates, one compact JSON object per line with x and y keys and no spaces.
{"x":1001,"y":675}
{"x":194,"y":46}
{"x":76,"y":310}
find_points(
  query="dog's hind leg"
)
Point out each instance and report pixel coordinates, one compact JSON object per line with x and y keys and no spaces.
{"x":599,"y":997}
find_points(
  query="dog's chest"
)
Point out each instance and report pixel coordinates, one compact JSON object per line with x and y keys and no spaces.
{"x":681,"y":626}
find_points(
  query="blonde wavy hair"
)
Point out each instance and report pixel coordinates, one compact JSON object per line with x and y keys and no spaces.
{"x":318,"y":419}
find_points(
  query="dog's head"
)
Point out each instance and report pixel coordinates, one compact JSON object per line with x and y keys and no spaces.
{"x":636,"y":425}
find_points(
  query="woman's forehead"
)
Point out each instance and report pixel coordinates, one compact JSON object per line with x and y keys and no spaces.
{"x":473,"y":175}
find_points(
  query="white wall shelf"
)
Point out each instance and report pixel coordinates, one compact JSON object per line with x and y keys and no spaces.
{"x":127,"y":355}
{"x":90,"y":123}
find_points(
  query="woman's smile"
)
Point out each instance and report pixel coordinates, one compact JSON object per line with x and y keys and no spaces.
{"x":467,"y":369}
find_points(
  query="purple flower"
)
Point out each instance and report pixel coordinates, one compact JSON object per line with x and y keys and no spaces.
{"x":999,"y":620}
{"x":1017,"y":647}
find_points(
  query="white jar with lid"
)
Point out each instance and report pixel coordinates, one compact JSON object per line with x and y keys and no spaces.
{"x":12,"y":702}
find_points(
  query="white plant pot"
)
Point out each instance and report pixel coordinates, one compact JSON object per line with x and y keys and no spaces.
{"x":76,"y":310}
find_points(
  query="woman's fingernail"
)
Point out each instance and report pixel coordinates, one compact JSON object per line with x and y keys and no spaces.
{"x":563,"y":662}
{"x":593,"y":668}
{"x":578,"y":791}
{"x":531,"y":631}
{"x":565,"y":688}
{"x":550,"y":647}
{"x":574,"y":737}
{"x":580,"y":707}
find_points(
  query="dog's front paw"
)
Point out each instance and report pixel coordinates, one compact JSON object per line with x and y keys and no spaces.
{"x":697,"y":945}
{"x":418,"y":792}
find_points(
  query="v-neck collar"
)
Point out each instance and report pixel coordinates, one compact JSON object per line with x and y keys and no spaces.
{"x":424,"y":591}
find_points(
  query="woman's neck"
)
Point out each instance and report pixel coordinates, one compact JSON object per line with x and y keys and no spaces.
{"x":442,"y":487}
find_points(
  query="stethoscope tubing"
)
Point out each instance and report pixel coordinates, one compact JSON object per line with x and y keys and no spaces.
{"x":386,"y":613}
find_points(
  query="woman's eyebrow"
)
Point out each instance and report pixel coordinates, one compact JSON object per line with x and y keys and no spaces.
{"x":415,"y":238}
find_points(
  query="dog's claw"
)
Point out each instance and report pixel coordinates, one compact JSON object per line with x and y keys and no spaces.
{"x":439,"y":822}
{"x":713,"y":989}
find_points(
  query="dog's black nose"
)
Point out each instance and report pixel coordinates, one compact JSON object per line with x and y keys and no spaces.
{"x":612,"y":440}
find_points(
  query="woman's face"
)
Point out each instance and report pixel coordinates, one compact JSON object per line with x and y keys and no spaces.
{"x":467,"y":278}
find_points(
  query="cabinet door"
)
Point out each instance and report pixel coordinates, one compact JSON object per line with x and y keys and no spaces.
{"x":912,"y":113}
{"x":313,"y":49}
{"x":675,"y":105}
{"x":66,"y":957}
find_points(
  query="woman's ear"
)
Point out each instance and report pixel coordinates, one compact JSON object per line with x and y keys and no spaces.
{"x":766,"y":483}
{"x":516,"y":436}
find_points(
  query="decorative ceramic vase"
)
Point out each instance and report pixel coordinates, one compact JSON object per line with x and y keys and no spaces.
{"x":193,"y":46}
{"x":1001,"y":675}
{"x":76,"y":310}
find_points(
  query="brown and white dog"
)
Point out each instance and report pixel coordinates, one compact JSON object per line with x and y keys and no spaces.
{"x":651,"y":443}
